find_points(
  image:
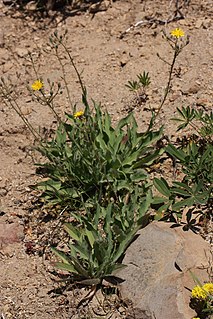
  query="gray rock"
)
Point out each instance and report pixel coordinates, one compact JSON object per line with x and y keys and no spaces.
{"x":157,"y":275}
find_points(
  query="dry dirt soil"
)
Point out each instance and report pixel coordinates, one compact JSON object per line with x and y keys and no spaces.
{"x":108,"y":54}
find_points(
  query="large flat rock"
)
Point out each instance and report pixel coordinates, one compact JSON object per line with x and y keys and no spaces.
{"x":157,"y":276}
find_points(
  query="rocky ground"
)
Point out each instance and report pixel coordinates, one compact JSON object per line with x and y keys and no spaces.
{"x":109,"y":50}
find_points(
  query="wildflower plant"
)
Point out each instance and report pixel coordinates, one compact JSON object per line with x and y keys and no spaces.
{"x":202,"y":299}
{"x":101,"y":173}
{"x":194,"y":158}
{"x":177,"y":41}
{"x":201,"y":122}
{"x":96,"y":253}
{"x":91,"y":161}
{"x":98,"y":171}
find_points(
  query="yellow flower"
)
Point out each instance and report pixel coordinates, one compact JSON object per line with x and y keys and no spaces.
{"x":177,"y":33}
{"x":199,"y":293}
{"x":78,"y":114}
{"x":37,"y":85}
{"x":208,"y":288}
{"x":196,"y":318}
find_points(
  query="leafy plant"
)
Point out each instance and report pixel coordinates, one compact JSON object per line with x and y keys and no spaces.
{"x":91,"y":161}
{"x":195,"y":189}
{"x":200,"y":121}
{"x":139,"y":87}
{"x":194,"y":158}
{"x":97,"y":247}
{"x":202,"y":298}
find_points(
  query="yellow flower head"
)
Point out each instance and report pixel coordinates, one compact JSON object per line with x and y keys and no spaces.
{"x":37,"y":85}
{"x":177,"y":33}
{"x":78,"y":114}
{"x":196,"y":318}
{"x":199,"y":293}
{"x":208,"y":288}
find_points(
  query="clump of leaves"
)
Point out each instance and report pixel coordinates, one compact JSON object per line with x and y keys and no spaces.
{"x":98,"y":244}
{"x":200,"y":121}
{"x":195,"y":160}
{"x":140,"y":86}
{"x":90,"y":161}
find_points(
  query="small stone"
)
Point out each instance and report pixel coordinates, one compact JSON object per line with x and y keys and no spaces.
{"x":123,"y":61}
{"x":22,"y":52}
{"x":198,"y":23}
{"x":7,"y":66}
{"x":31,"y":6}
{"x":10,"y":233}
{"x":207,"y":23}
{"x":3,"y":192}
{"x":100,"y":6}
{"x":204,"y":103}
{"x":194,"y":88}
{"x":185,"y":22}
{"x":26,"y":110}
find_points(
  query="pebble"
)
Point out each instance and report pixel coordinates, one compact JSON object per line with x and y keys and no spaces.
{"x":22,"y":52}
{"x":7,"y":66}
{"x":207,"y":23}
{"x":203,"y":102}
{"x":198,"y":23}
{"x":194,"y":88}
{"x":3,"y":192}
{"x":31,"y":6}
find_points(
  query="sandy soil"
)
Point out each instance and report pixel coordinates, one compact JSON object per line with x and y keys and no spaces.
{"x":108,"y":57}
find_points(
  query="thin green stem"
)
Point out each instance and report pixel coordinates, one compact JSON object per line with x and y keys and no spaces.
{"x":83,"y":88}
{"x":12,"y":102}
{"x":49,"y":103}
{"x":64,"y":77}
{"x":169,"y":82}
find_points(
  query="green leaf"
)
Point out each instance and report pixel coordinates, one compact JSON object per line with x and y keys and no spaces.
{"x":125,"y":243}
{"x":131,"y":158}
{"x":49,"y":185}
{"x":138,"y":175}
{"x":124,"y":121}
{"x":158,"y":200}
{"x":186,"y":202}
{"x":101,"y":142}
{"x":91,"y":237}
{"x":79,"y":268}
{"x":162,"y":186}
{"x":182,"y":185}
{"x":181,"y":192}
{"x":67,"y":267}
{"x":73,"y":231}
{"x":164,"y":207}
{"x":61,"y":255}
{"x":60,"y":136}
{"x":177,"y":153}
{"x":81,"y":250}
{"x":145,"y":205}
{"x":118,"y":267}
{"x":90,"y":282}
